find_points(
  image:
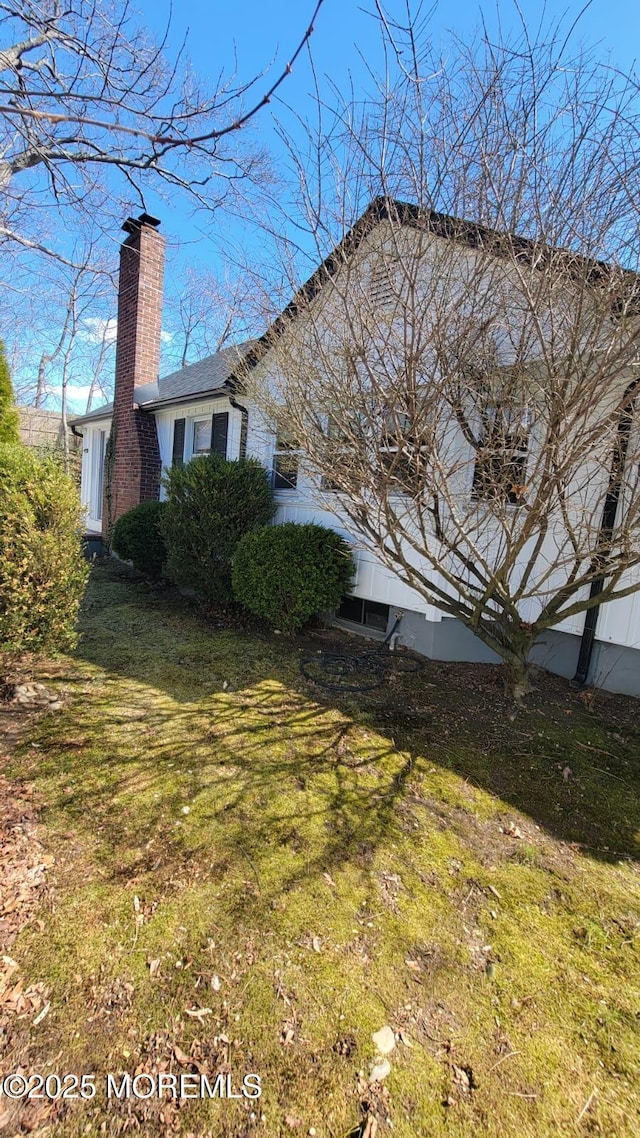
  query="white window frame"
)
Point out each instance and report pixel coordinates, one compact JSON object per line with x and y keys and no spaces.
{"x":195,"y":422}
{"x":285,"y":447}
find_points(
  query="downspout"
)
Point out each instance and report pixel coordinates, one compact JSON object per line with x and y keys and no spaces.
{"x":74,"y":431}
{"x":609,"y":511}
{"x":244,"y":426}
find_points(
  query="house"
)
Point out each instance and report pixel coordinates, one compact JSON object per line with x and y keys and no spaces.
{"x":154,"y":423}
{"x":40,"y":428}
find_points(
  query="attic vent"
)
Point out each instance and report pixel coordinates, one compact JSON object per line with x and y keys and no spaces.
{"x":381,"y":286}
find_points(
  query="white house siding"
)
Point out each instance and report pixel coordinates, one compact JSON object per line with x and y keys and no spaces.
{"x":190,"y":412}
{"x":619,"y":621}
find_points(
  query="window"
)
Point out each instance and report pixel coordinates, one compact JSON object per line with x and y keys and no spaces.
{"x":500,"y":469}
{"x":285,"y":463}
{"x":337,"y":445}
{"x":371,"y":614}
{"x":201,"y":436}
{"x":403,"y":454}
{"x":210,"y":435}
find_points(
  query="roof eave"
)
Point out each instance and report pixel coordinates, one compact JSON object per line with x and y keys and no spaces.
{"x":195,"y":397}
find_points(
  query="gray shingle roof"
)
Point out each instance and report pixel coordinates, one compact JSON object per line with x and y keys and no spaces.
{"x":206,"y":375}
{"x":201,"y":378}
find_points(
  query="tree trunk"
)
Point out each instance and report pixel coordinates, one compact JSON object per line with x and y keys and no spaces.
{"x":517,"y":678}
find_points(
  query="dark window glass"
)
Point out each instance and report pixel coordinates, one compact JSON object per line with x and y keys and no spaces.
{"x":351,"y":609}
{"x":371,"y":614}
{"x":376,"y":615}
{"x":285,"y":471}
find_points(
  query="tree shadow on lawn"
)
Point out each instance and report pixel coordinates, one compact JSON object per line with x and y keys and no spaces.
{"x":221,"y":724}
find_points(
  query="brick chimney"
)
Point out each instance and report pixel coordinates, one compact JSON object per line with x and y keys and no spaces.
{"x":132,"y":466}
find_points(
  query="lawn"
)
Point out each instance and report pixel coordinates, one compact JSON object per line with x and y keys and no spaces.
{"x":249,"y":874}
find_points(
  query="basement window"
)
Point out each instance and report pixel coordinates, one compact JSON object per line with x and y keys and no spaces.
{"x":370,"y":614}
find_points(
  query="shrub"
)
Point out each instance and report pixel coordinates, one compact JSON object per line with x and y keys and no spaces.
{"x":137,"y":538}
{"x":288,"y":573}
{"x":211,"y":504}
{"x":9,"y":427}
{"x":42,"y":568}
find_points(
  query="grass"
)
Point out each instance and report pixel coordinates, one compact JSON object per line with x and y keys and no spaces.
{"x":308,"y":868}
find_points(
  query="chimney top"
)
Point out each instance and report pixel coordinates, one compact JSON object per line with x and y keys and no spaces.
{"x":133,"y":225}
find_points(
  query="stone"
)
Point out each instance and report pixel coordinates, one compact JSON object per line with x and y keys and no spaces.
{"x":379,"y":1071}
{"x":384,"y":1040}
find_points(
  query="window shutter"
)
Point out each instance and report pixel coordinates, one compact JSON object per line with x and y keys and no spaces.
{"x":243,"y":436}
{"x":219,"y":431}
{"x":177,"y":457}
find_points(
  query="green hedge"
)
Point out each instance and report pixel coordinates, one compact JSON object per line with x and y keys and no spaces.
{"x":9,"y":422}
{"x":137,"y":538}
{"x":290,"y":572}
{"x":211,"y":503}
{"x":42,"y":568}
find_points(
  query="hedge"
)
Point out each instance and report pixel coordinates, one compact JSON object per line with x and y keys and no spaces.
{"x":137,"y":538}
{"x":211,"y":503}
{"x":42,"y":567}
{"x":290,"y":572}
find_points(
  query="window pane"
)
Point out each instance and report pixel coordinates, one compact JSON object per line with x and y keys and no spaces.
{"x":201,"y":436}
{"x":286,"y":442}
{"x":285,"y":471}
{"x":376,"y":615}
{"x":351,"y":609}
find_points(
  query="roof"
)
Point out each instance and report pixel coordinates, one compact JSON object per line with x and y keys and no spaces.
{"x":221,"y":374}
{"x":468,"y":233}
{"x":208,"y":377}
{"x":203,"y":377}
{"x":41,"y":427}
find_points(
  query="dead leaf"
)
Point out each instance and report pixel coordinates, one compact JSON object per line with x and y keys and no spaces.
{"x":180,"y":1056}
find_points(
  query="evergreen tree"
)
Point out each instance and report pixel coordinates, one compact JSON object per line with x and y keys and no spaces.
{"x":9,"y":432}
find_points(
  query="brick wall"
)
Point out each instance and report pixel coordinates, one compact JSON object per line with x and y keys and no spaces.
{"x":133,"y":464}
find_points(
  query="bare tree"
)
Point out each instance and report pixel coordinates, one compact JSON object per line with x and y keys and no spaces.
{"x":60,"y":323}
{"x":461,"y":377}
{"x":205,"y":312}
{"x":92,"y":110}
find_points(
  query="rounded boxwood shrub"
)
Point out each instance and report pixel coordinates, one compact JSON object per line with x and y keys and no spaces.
{"x":290,"y":572}
{"x":42,"y":567}
{"x":137,"y":538}
{"x":211,"y":503}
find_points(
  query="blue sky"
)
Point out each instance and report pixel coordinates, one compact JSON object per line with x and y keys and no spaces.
{"x":256,"y":36}
{"x":259,"y":34}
